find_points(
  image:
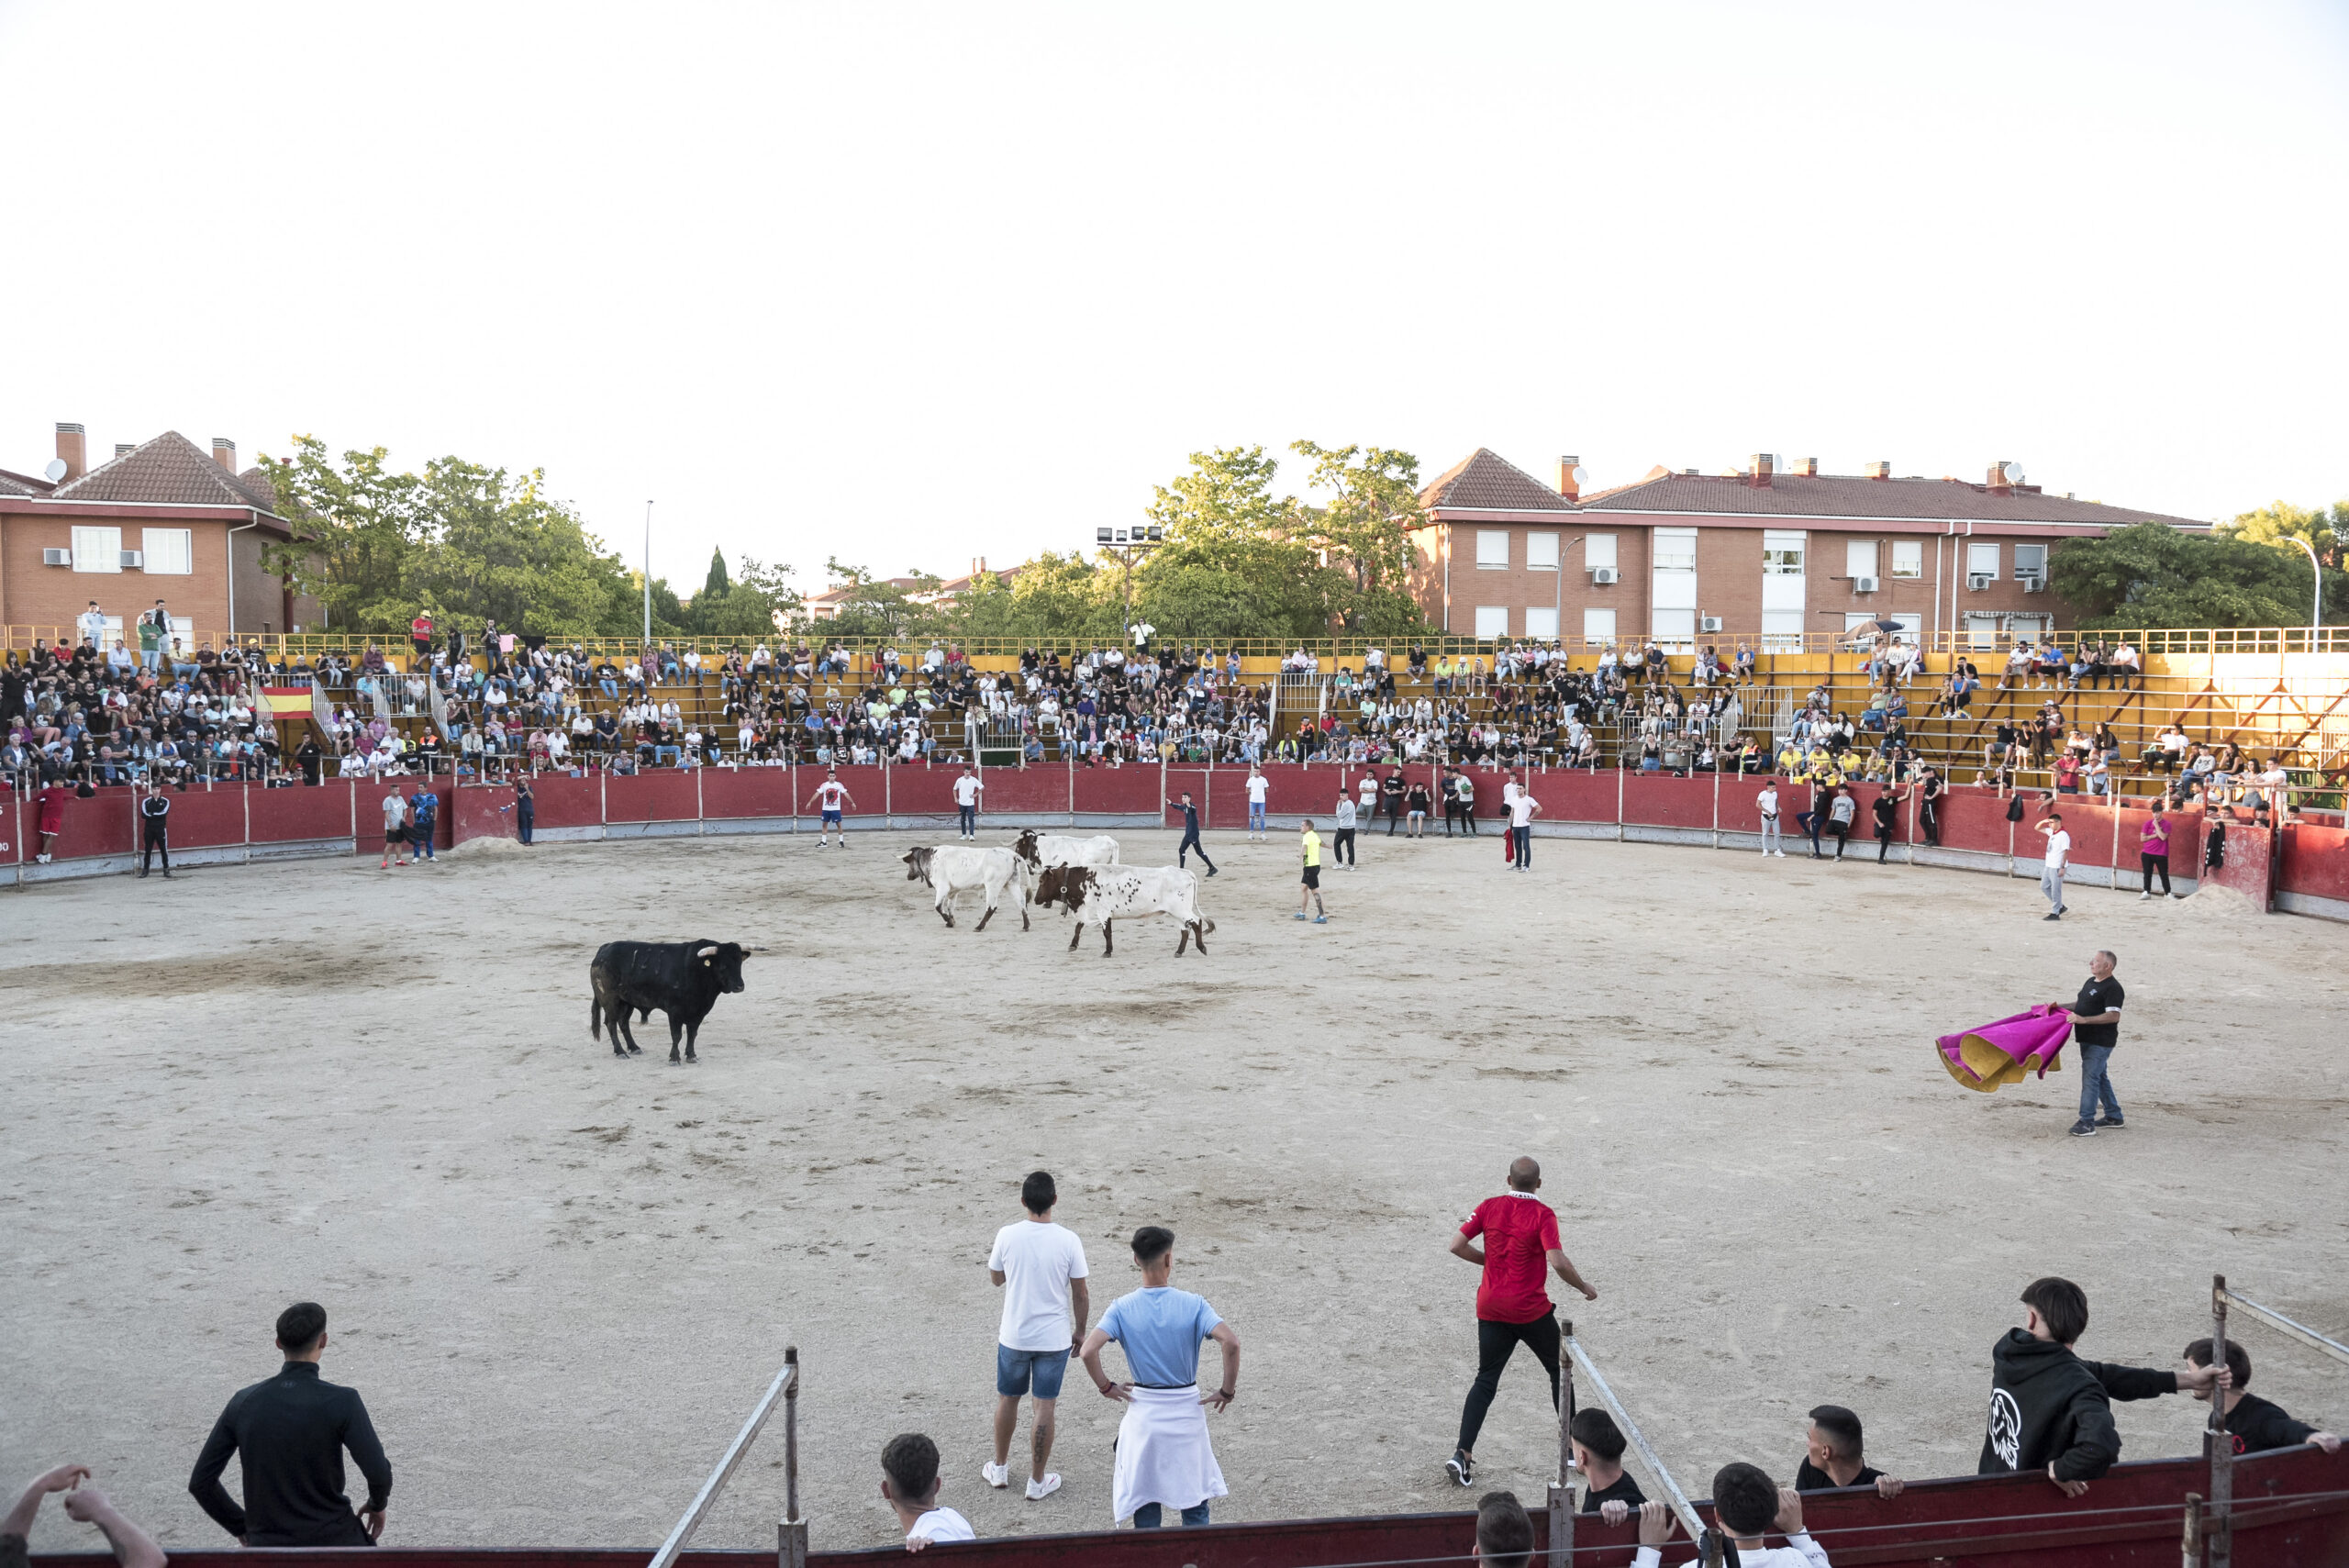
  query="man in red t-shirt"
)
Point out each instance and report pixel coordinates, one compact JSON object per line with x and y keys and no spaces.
{"x":1520,"y":1248}
{"x":51,"y":801}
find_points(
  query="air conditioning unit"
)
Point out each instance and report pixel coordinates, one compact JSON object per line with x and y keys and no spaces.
{"x":1864,"y":584}
{"x":2035,"y":584}
{"x":1602,"y":576}
{"x":1709,"y":623}
{"x":57,"y":558}
{"x":134,"y":560}
{"x":1977,"y":581}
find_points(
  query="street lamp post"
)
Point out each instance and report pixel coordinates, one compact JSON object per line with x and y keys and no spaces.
{"x":2316,"y":600}
{"x":1128,"y":543}
{"x":647,"y":574}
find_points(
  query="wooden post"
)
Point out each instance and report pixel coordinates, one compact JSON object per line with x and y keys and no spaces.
{"x":2191,"y":1554}
{"x":2217,"y":1440}
{"x":1562,"y":1490}
{"x":791,"y":1536}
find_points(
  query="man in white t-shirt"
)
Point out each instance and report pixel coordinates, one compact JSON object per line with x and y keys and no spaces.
{"x":1258,"y":788}
{"x":1041,"y":1266}
{"x":394,"y":828}
{"x":966,"y":800}
{"x":1521,"y":808}
{"x":909,"y":1485}
{"x":1766,"y":803}
{"x":2059,"y":854}
{"x":827,"y":798}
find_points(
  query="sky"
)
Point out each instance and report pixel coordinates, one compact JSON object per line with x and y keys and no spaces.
{"x":912,"y":285}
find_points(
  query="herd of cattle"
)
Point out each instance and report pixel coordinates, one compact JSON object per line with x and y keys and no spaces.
{"x":684,"y":980}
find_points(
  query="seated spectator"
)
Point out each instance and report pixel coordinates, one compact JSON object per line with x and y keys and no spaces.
{"x":132,"y":1547}
{"x":1504,"y":1533}
{"x":1833,"y":1456}
{"x":2257,"y":1425}
{"x":910,"y":1483}
{"x":1749,"y":1506}
{"x":1597,"y":1443}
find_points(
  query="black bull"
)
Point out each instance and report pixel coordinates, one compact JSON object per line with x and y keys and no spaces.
{"x":684,"y":980}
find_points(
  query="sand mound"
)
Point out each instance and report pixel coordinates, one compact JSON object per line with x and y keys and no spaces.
{"x":2212,"y":902}
{"x":476,"y":847}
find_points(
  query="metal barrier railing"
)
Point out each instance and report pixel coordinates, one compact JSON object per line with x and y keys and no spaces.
{"x":792,"y":1544}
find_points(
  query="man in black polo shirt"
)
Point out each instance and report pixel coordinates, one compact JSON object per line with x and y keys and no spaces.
{"x":1835,"y":1455}
{"x":1190,"y":833}
{"x":2096,"y":1028}
{"x":290,"y":1432}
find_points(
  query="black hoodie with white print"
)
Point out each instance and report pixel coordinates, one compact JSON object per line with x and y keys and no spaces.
{"x":2048,"y":1407}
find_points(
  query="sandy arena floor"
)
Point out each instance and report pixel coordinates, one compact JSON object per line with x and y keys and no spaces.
{"x":560,"y":1280}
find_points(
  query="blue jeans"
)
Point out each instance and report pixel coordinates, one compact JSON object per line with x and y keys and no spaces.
{"x":2095,"y":1086}
{"x":1255,"y":817}
{"x":969,"y":816}
{"x":1524,"y":837}
{"x":422,"y":836}
{"x":1148,"y":1516}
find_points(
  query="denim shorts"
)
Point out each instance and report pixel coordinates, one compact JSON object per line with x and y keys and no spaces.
{"x":1014,"y":1369}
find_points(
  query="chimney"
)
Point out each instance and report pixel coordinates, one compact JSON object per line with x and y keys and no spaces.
{"x":1997,"y":480}
{"x":73,"y":448}
{"x":1568,"y":486}
{"x":1807,"y":467}
{"x":224,"y":452}
{"x":124,"y":449}
{"x":1879,"y":470}
{"x":1758,"y":473}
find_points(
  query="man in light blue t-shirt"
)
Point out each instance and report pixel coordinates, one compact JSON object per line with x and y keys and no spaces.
{"x":1163,"y":1456}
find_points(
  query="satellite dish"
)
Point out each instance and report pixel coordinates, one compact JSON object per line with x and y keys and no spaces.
{"x":1582,"y":475}
{"x":2014,"y":473}
{"x":56,"y":468}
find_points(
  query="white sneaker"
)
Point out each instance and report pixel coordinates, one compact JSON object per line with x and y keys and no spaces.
{"x":1041,"y":1489}
{"x":2143,"y":896}
{"x":995,"y":1474}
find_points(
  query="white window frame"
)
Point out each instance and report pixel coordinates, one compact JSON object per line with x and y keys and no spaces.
{"x":1861,"y":556}
{"x":1908,"y":557}
{"x":2026,"y":569}
{"x":1597,"y":626}
{"x":1978,"y":553}
{"x":1492,"y":549}
{"x":183,"y":540}
{"x":97,"y":549}
{"x":1674,"y":549}
{"x":1599,"y":550}
{"x":1784,"y":554}
{"x":1540,"y":553}
{"x":1542,"y":622}
{"x":1492,"y":620}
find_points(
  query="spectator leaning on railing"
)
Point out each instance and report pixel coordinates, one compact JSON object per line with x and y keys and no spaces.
{"x":291,"y":1433}
{"x":132,"y":1547}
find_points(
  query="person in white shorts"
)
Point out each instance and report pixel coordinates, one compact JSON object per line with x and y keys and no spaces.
{"x":1041,"y":1267}
{"x":966,"y":801}
{"x":1767,"y":803}
{"x":829,"y":796}
{"x":2059,"y":854}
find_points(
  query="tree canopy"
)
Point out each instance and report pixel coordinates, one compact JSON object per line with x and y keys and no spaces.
{"x":2150,"y":574}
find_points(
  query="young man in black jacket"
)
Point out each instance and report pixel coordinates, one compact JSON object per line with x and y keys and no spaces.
{"x":2050,"y":1410}
{"x":2257,"y":1425}
{"x":292,"y":1431}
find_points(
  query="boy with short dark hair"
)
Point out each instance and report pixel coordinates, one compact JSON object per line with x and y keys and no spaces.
{"x":910,"y":1483}
{"x":1749,"y":1506}
{"x":2257,"y":1425}
{"x":1504,"y":1533}
{"x":1835,"y":1456}
{"x":1609,"y":1491}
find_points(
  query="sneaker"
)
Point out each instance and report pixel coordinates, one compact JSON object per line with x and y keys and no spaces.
{"x":1298,"y":916}
{"x":1212,"y":870}
{"x":1320,"y":919}
{"x":1462,"y":1467}
{"x":996,"y":1476}
{"x":2110,"y":1121}
{"x":1039,"y":1490}
{"x":2143,"y":896}
{"x":2083,"y":1130}
{"x":2057,"y":916}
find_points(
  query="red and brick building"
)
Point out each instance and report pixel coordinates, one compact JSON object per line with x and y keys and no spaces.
{"x":1767,"y":554}
{"x":162,"y":519}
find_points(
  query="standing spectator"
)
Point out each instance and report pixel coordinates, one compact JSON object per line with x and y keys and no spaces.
{"x":1886,"y":809}
{"x":132,"y":1547}
{"x":1258,"y":787}
{"x":425,"y":804}
{"x":1164,"y":1460}
{"x":966,"y":801}
{"x":52,"y":803}
{"x":1341,"y":848}
{"x":1041,"y":1267}
{"x":1835,"y":1455}
{"x":2096,"y":1028}
{"x":909,"y":1484}
{"x":1609,"y":1490}
{"x":1766,"y":803}
{"x":526,"y":815}
{"x":2059,"y":854}
{"x":419,"y":636}
{"x":2256,"y":1425}
{"x":1841,"y":808}
{"x":92,"y":624}
{"x":394,"y":830}
{"x":827,"y":798}
{"x":1391,"y":790}
{"x":1190,"y":833}
{"x":1512,"y":1299}
{"x":2152,"y":851}
{"x":1521,"y":808}
{"x":154,"y":828}
{"x":154,"y":636}
{"x":290,"y":1433}
{"x":310,"y":756}
{"x":1367,"y":805}
{"x":1310,"y":881}
{"x":1464,"y":790}
{"x":1929,"y":805}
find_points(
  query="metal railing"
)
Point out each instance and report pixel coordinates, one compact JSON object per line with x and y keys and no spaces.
{"x":794,"y":1530}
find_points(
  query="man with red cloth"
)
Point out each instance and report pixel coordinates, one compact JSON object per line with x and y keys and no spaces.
{"x":1520,"y":1248}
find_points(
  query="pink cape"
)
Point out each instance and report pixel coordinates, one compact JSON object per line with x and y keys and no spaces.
{"x":1989,"y":1055}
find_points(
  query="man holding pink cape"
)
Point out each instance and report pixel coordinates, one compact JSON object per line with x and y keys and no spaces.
{"x":2096,"y":1028}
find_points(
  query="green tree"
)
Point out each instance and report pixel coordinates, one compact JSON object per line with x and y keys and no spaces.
{"x":717,"y":582}
{"x":1364,"y":532}
{"x":1236,"y":562}
{"x":745,"y":608}
{"x":2277,"y":525}
{"x":2150,"y":574}
{"x":880,"y":607}
{"x":356,"y":529}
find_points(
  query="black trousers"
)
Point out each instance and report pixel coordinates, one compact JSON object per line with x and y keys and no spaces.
{"x":1191,"y":841}
{"x":156,"y":838}
{"x":1341,"y":850}
{"x":1929,"y":817}
{"x":1394,"y":815}
{"x":2149,"y":864}
{"x":1494,"y":1343}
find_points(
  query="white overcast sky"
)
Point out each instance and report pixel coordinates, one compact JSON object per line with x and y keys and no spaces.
{"x":913,"y":284}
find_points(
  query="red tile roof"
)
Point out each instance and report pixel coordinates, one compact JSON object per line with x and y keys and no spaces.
{"x":1849,"y":495}
{"x":23,"y":484}
{"x":1487,"y":482}
{"x":169,"y":470}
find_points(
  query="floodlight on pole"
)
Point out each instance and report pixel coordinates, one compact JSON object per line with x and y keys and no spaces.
{"x":1127,"y":544}
{"x":2316,"y":599}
